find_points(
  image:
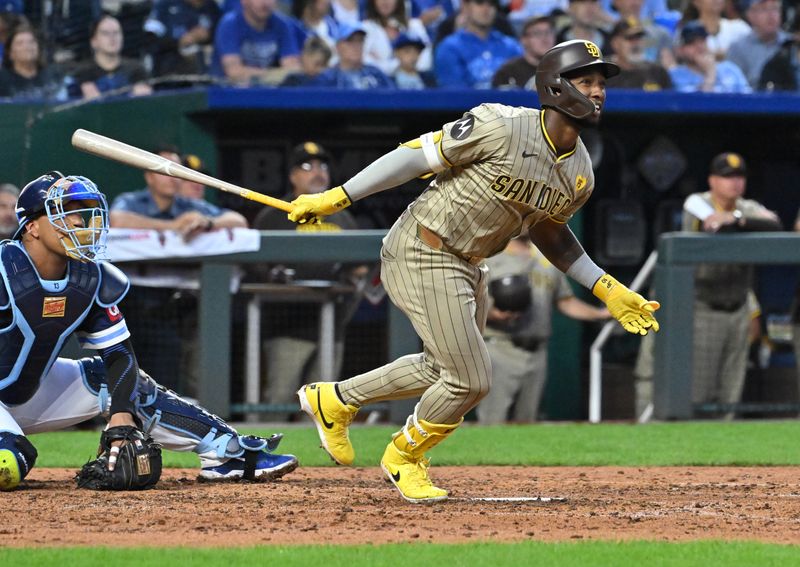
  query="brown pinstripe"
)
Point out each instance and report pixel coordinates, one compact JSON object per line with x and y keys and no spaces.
{"x":489,"y":195}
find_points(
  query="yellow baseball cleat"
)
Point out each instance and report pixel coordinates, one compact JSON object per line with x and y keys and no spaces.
{"x":404,"y":461}
{"x":10,"y":475}
{"x":410,"y":476}
{"x":332,"y":418}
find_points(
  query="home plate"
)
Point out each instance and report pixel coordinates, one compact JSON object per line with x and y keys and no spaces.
{"x":544,"y":499}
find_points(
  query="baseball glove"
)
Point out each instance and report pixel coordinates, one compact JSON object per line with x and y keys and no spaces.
{"x":138,"y":463}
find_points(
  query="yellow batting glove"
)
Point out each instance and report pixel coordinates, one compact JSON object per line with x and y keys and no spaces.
{"x":309,"y":208}
{"x":633,"y":311}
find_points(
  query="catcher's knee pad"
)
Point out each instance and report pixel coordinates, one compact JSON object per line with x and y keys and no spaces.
{"x":197,"y":429}
{"x":17,"y":457}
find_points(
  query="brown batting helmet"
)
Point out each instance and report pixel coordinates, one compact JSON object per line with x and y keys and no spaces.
{"x":568,"y":58}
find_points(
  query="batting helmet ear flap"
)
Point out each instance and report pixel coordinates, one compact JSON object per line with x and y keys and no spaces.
{"x":568,"y":99}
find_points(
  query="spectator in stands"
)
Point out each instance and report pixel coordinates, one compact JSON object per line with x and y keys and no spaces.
{"x":108,"y":70}
{"x":180,"y":32}
{"x":471,"y":56}
{"x":458,"y":21}
{"x":751,"y":52}
{"x":722,"y":32}
{"x":192,"y":189}
{"x":721,"y":311}
{"x":648,"y":10}
{"x":313,"y":18}
{"x":346,"y":11}
{"x":8,"y":21}
{"x":782,"y":71}
{"x":8,"y":210}
{"x":658,"y":40}
{"x":584,"y":23}
{"x":523,"y":11}
{"x":628,"y":43}
{"x":255,"y":44}
{"x":698,"y":70}
{"x":538,"y":35}
{"x":292,"y":330}
{"x":160,"y":206}
{"x":351,"y":72}
{"x":407,"y":51}
{"x":313,"y":60}
{"x":24,"y":74}
{"x":385,"y":20}
{"x":432,"y":13}
{"x":167,"y":316}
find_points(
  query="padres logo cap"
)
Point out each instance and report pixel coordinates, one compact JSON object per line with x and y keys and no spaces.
{"x":728,"y":164}
{"x":306,"y":152}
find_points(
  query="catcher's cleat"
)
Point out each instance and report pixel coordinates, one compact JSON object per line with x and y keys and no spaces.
{"x":10,"y":475}
{"x":331,"y":417}
{"x":268,"y":466}
{"x":410,"y":476}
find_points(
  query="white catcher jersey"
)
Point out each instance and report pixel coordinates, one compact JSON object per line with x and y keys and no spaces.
{"x":504,"y":177}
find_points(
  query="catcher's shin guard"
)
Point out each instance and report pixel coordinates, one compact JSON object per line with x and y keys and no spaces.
{"x":404,"y":461}
{"x":177,"y":424}
{"x":17,"y":457}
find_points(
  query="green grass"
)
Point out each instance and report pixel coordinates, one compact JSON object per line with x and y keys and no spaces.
{"x":658,"y":444}
{"x":579,"y":554}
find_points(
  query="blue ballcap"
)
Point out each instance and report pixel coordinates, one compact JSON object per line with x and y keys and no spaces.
{"x":405,"y":39}
{"x":693,"y":31}
{"x":346,"y":31}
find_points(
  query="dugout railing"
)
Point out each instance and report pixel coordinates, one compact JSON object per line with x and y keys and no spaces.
{"x":214,"y":380}
{"x":678,"y":256}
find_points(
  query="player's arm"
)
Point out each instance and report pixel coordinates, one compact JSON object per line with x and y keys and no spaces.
{"x":410,"y":160}
{"x":559,"y":245}
{"x":123,"y":375}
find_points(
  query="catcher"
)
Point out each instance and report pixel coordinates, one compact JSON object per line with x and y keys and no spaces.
{"x":53,"y":284}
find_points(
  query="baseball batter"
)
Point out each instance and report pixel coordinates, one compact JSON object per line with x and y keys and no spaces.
{"x":499,"y":172}
{"x":52,"y":285}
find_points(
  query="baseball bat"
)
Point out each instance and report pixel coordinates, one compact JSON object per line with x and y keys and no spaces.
{"x":115,"y":150}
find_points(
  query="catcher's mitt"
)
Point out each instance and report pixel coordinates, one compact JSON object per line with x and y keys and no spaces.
{"x":138,"y":463}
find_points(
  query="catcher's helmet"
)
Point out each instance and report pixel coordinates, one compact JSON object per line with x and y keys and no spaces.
{"x":30,"y":203}
{"x":565,"y":58}
{"x":511,"y":293}
{"x":49,"y":195}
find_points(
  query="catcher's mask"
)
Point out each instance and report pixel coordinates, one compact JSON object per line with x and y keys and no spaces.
{"x":50,"y":194}
{"x":570,"y":58}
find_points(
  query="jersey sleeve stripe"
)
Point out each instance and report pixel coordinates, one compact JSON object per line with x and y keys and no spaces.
{"x":105,"y":338}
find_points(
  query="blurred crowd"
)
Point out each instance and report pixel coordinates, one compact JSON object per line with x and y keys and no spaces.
{"x":61,"y":50}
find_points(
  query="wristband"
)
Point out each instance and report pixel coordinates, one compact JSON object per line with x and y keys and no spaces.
{"x":585,"y":271}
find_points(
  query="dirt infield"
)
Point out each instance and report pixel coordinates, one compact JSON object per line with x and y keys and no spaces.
{"x":337,"y":505}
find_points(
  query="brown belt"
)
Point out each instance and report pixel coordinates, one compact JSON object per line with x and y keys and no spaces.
{"x":434,"y":241}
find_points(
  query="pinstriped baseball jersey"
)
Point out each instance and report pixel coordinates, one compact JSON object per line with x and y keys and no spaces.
{"x":505,"y":177}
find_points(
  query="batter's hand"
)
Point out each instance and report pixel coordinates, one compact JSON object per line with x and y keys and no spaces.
{"x":309,"y":208}
{"x":633,"y":311}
